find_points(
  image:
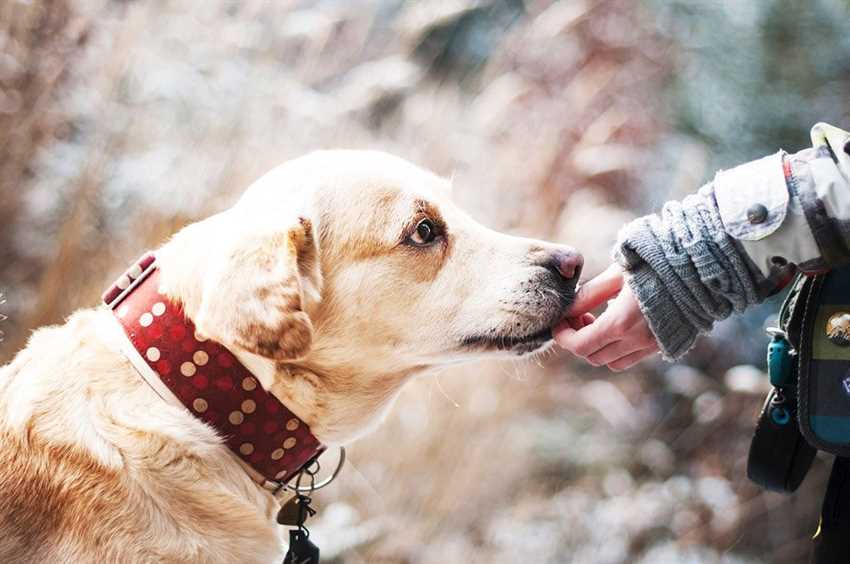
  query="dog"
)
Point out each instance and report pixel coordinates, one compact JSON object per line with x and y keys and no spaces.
{"x":334,"y":280}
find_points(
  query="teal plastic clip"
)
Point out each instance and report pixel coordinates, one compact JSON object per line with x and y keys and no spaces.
{"x":779,"y":359}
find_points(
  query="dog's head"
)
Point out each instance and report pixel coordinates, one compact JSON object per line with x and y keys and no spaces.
{"x":359,"y":261}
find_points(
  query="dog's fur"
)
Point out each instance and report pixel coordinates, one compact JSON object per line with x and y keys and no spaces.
{"x":312,"y":280}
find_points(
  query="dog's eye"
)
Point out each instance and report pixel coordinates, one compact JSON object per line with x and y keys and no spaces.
{"x":425,"y":233}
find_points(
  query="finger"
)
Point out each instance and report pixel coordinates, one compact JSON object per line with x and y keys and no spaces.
{"x":577,"y":323}
{"x":565,"y":331}
{"x":630,"y":360}
{"x":587,"y":340}
{"x":616,"y":351}
{"x":597,"y":290}
{"x":574,"y":323}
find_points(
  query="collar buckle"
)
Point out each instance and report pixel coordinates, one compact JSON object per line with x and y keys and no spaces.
{"x":127,"y":282}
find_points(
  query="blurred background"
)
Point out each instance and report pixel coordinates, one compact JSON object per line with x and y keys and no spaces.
{"x":122,"y":120}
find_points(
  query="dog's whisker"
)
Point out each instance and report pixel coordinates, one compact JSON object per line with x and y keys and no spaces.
{"x":520,"y":375}
{"x":443,"y":391}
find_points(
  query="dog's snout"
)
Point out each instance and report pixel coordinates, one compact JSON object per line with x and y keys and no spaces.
{"x":565,"y":262}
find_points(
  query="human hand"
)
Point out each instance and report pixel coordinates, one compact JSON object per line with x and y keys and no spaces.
{"x":620,"y":337}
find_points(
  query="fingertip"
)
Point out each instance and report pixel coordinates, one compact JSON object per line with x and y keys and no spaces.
{"x":574,"y":323}
{"x":597,"y":290}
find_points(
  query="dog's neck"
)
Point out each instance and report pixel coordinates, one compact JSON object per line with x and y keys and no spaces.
{"x":339,"y":405}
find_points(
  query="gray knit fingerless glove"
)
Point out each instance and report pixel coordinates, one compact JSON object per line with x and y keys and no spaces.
{"x":686,"y":271}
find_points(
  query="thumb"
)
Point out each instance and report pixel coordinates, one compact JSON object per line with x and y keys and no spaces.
{"x":597,"y":290}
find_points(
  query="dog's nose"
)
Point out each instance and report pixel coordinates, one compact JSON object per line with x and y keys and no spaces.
{"x":566,"y":262}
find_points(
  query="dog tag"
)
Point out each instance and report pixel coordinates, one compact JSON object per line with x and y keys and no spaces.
{"x":290,"y":512}
{"x":301,"y":550}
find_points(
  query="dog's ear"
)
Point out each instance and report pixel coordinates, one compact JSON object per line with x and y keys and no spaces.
{"x":257,"y":290}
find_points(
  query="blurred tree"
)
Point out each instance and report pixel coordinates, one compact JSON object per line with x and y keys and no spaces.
{"x":755,"y":76}
{"x":38,"y":40}
{"x":459,"y":43}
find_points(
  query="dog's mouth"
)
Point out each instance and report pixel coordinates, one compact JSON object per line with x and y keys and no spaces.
{"x":521,"y":338}
{"x":518,"y":344}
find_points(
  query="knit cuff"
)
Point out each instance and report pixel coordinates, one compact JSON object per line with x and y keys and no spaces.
{"x":674,"y":334}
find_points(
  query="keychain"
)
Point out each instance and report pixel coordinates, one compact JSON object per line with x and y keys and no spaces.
{"x":294,"y":513}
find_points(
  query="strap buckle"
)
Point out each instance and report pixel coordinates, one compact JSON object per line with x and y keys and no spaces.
{"x":128,"y":281}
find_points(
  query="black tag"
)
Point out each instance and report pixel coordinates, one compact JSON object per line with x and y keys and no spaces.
{"x":301,"y":550}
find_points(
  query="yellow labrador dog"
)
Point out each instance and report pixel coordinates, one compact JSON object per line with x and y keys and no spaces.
{"x":336,"y":278}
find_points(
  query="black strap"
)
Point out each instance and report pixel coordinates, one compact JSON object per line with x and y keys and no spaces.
{"x":832,"y":541}
{"x":793,"y":308}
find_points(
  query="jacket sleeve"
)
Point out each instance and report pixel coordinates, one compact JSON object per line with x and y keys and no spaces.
{"x":739,"y":239}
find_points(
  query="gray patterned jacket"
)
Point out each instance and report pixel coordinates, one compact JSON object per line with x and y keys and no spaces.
{"x":739,"y":239}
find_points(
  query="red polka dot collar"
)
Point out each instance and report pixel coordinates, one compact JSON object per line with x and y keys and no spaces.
{"x":208,"y":380}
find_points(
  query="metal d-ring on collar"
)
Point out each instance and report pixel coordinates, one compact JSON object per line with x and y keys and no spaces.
{"x":311,"y":470}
